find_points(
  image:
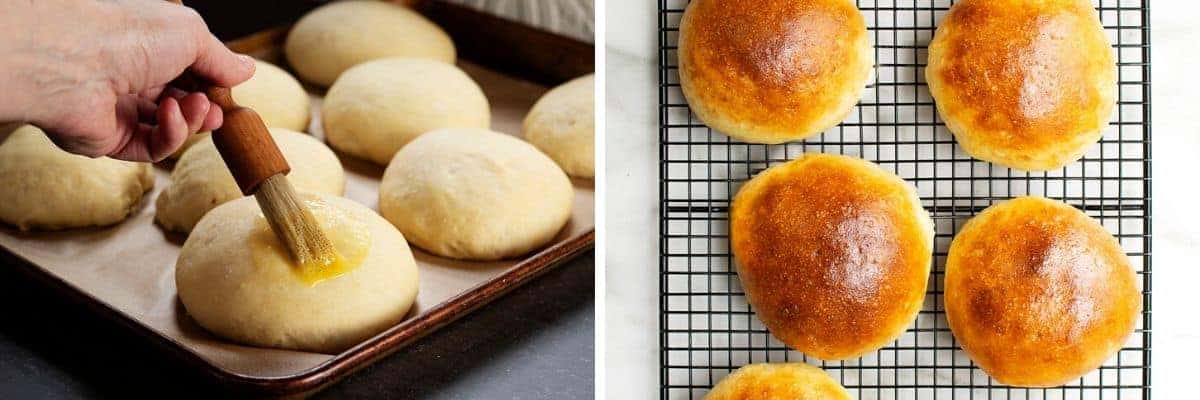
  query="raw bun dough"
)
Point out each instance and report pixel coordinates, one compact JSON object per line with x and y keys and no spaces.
{"x":201,"y":180}
{"x":562,"y":125}
{"x":237,"y":280}
{"x":275,"y":95}
{"x":376,"y":108}
{"x":48,"y":188}
{"x":475,"y":194}
{"x":332,"y":38}
{"x":778,"y":381}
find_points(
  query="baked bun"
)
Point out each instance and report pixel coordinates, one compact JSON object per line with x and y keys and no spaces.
{"x":790,"y":381}
{"x":777,"y":71}
{"x":1038,"y":293}
{"x":1025,"y":84}
{"x":834,"y":253}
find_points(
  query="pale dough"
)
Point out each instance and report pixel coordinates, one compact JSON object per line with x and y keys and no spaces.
{"x":237,"y":280}
{"x":332,"y":38}
{"x":562,"y":125}
{"x":475,"y":194}
{"x":201,"y":181}
{"x":275,"y":95}
{"x":375,"y":108}
{"x":47,"y":188}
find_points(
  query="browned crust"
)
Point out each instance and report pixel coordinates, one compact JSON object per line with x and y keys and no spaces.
{"x":776,"y":71}
{"x":789,"y":381}
{"x":834,"y":253}
{"x":1029,"y":84}
{"x":1038,"y":293}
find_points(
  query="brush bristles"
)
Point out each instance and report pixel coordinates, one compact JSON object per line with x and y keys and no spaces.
{"x":293,"y":223}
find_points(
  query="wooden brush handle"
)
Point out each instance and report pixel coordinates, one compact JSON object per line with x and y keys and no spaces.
{"x":245,"y":143}
{"x":243,"y":140}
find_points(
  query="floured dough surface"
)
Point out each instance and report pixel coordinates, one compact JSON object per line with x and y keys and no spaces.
{"x":475,"y":194}
{"x":332,"y":38}
{"x":376,"y":108}
{"x":201,"y":181}
{"x":275,"y":95}
{"x":48,"y":188}
{"x":562,"y":125}
{"x":238,"y":281}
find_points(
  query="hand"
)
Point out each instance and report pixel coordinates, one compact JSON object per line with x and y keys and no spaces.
{"x":95,"y":74}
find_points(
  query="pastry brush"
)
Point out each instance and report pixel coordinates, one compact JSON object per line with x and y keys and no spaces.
{"x":259,"y":168}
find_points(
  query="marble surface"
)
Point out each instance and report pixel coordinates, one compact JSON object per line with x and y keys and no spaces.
{"x":632,"y":315}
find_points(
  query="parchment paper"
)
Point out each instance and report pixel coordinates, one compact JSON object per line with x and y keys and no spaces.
{"x":131,"y":266}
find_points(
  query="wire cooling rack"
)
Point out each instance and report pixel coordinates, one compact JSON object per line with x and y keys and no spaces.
{"x":707,"y":327}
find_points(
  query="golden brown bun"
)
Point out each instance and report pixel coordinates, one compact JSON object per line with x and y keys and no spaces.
{"x":777,"y":71}
{"x":793,"y":381}
{"x":1038,"y":293}
{"x":834,"y":253}
{"x":1028,"y":84}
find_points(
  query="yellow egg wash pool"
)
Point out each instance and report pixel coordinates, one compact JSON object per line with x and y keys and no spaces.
{"x":349,"y":235}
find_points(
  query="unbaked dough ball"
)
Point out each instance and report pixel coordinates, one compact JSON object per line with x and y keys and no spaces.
{"x":790,"y":381}
{"x":376,"y":108}
{"x":201,"y":180}
{"x":331,"y":39}
{"x":475,"y":194}
{"x":237,"y":280}
{"x":562,"y":125}
{"x":47,"y":188}
{"x":275,"y":95}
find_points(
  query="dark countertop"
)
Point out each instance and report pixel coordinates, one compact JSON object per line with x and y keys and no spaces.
{"x":533,"y":343}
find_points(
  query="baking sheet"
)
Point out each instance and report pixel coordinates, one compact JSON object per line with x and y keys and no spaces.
{"x":130,"y":266}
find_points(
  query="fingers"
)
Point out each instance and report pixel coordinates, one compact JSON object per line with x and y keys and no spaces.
{"x":220,"y":66}
{"x":146,"y":110}
{"x":214,"y":119}
{"x":195,"y":108}
{"x":152,"y":143}
{"x":172,"y":129}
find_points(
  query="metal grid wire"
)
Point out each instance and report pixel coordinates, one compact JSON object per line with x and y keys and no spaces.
{"x":707,"y":327}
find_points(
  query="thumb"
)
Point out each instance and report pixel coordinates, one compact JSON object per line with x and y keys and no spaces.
{"x":221,"y":66}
